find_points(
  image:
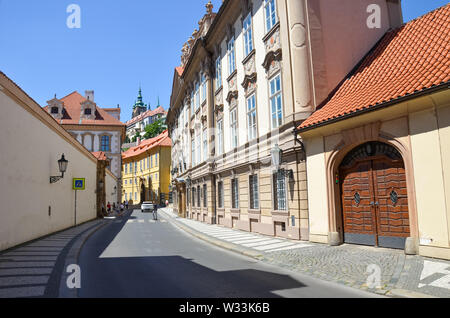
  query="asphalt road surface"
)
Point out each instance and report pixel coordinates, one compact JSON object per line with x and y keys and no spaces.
{"x":135,"y":257}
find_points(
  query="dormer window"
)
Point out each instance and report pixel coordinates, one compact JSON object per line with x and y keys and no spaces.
{"x":88,"y":111}
{"x":55,"y":110}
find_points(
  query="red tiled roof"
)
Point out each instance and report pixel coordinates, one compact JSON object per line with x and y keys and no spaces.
{"x":162,"y":140}
{"x":100,"y":155}
{"x":407,"y":60}
{"x":72,"y":114}
{"x":179,"y":70}
{"x":149,"y":113}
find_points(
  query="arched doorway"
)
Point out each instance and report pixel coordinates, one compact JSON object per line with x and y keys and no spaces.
{"x":374,"y":196}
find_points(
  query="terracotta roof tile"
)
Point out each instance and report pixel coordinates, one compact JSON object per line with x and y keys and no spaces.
{"x":407,"y":60}
{"x":100,"y":155}
{"x":162,"y":140}
{"x":149,"y":113}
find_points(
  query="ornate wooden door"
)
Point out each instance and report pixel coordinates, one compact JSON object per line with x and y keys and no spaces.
{"x":374,"y":197}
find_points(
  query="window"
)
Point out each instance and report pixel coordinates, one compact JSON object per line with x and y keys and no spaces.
{"x":140,"y":165}
{"x":135,"y":167}
{"x":219,"y":137}
{"x":254,"y":196}
{"x":233,"y":127}
{"x":234,"y":194}
{"x":193,"y":196}
{"x":248,"y":35}
{"x":220,"y":194}
{"x":135,"y":196}
{"x":126,"y":182}
{"x":276,"y":103}
{"x":148,"y":162}
{"x":55,"y":110}
{"x":251,"y":117}
{"x":205,"y":196}
{"x":197,"y":96}
{"x":192,"y":103}
{"x":218,"y":73}
{"x":231,"y":57}
{"x":271,"y":14}
{"x":204,"y":91}
{"x":131,"y":168}
{"x":199,"y":149}
{"x":279,"y":191}
{"x":156,"y":160}
{"x":126,"y":169}
{"x":88,"y":111}
{"x":151,"y":161}
{"x":105,"y":144}
{"x":198,"y":197}
{"x":205,"y":145}
{"x":193,"y":152}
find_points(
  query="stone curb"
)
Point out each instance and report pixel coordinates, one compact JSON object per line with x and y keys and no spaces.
{"x":73,"y":256}
{"x":403,"y":293}
{"x":229,"y":246}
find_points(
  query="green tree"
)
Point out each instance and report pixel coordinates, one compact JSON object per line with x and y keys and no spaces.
{"x":155,"y":129}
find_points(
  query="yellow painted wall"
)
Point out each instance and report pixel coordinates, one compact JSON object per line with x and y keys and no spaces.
{"x":160,"y":173}
{"x":317,"y":190}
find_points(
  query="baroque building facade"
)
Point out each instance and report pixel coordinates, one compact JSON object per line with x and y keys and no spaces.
{"x":251,"y":74}
{"x":96,"y":128}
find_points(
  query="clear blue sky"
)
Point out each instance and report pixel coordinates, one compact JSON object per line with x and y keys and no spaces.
{"x":120,"y":45}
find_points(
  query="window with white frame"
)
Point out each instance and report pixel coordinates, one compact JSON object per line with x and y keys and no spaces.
{"x":251,"y":117}
{"x":270,"y":10}
{"x":231,"y":56}
{"x":205,"y":145}
{"x":220,"y":137}
{"x":126,"y":169}
{"x":193,"y":152}
{"x":197,"y":96}
{"x":192,"y":103}
{"x":279,"y":191}
{"x":233,"y":127}
{"x":254,"y":195}
{"x":276,"y":102}
{"x":204,"y":91}
{"x":199,"y":147}
{"x":248,"y":35}
{"x":235,"y":193}
{"x":220,"y":194}
{"x":218,"y":73}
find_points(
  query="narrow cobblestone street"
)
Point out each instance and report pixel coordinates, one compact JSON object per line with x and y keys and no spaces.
{"x":350,"y":265}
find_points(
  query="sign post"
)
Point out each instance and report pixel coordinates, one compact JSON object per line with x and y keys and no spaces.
{"x":79,"y":184}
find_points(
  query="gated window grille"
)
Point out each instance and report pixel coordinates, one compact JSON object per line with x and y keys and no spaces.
{"x":279,"y":183}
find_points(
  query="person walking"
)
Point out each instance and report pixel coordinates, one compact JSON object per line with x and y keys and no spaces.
{"x":155,"y":212}
{"x":126,"y":204}
{"x":109,"y":208}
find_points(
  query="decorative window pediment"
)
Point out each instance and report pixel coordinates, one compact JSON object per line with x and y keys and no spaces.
{"x":56,"y":108}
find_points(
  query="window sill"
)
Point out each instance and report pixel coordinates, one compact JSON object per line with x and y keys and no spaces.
{"x":271,"y":31}
{"x":249,"y":56}
{"x":231,"y":76}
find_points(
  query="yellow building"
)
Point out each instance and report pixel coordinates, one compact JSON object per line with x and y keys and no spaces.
{"x":146,"y":171}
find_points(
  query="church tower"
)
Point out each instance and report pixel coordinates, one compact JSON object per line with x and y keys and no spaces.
{"x":139,"y":106}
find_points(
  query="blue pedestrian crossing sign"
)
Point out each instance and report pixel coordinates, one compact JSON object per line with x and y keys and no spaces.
{"x":79,"y":184}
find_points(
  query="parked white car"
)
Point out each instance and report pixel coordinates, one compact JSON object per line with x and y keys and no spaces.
{"x":147,"y":207}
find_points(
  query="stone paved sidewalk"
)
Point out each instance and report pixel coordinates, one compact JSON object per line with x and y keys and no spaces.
{"x":352,"y":265}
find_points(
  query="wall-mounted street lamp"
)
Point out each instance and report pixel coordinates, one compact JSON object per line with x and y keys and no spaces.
{"x":277,"y":157}
{"x":62,"y":163}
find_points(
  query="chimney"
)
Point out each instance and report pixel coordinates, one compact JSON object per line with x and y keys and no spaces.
{"x":90,"y":95}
